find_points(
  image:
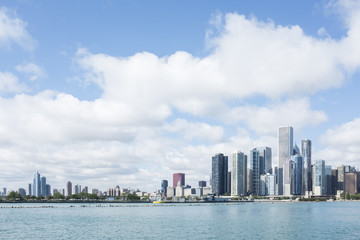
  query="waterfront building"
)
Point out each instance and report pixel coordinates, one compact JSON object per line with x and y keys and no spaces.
{"x":22,"y":192}
{"x":199,"y":191}
{"x":178,"y":177}
{"x":255,"y":169}
{"x":86,"y":190}
{"x":276,"y":173}
{"x":43,"y":186}
{"x":164,"y":185}
{"x":334,"y":182}
{"x":36,"y":185}
{"x":306,"y":154}
{"x":289,"y":178}
{"x":327,"y":181}
{"x":189,"y":192}
{"x":262,"y":185}
{"x":207,"y":191}
{"x":351,"y":182}
{"x":228,"y":183}
{"x":179,"y":190}
{"x":202,"y":183}
{"x":30,"y":189}
{"x":298,"y":174}
{"x":340,"y":179}
{"x":219,"y":172}
{"x":270,"y":185}
{"x":239,"y":174}
{"x":285,"y":152}
{"x":249,"y":183}
{"x":77,"y":189}
{"x":319,"y":177}
{"x":265,"y":155}
{"x":48,"y":190}
{"x":170,"y":192}
{"x":69,"y":188}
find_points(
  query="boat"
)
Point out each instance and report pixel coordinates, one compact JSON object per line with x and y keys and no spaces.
{"x":158,"y":202}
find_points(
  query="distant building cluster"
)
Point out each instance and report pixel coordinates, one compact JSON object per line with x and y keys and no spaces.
{"x":242,"y":175}
{"x":295,"y":175}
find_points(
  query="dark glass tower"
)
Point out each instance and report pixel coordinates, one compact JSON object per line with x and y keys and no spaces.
{"x":219,"y":173}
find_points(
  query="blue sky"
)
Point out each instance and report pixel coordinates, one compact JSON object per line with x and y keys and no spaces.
{"x":128,"y":92}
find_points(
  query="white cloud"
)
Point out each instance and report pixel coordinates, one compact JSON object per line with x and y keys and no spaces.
{"x":13,"y":30}
{"x":9,"y":83}
{"x":125,"y":136}
{"x":249,"y":57}
{"x":343,"y":144}
{"x":196,"y":130}
{"x":266,"y":120}
{"x":34,"y":71}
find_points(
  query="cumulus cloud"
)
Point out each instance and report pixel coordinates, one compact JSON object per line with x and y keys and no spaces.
{"x":249,"y":57}
{"x":266,"y":119}
{"x":126,"y":136}
{"x":34,"y":71}
{"x":13,"y":30}
{"x":9,"y":83}
{"x":343,"y":144}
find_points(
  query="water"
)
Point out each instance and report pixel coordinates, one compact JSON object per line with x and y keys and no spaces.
{"x":336,"y":220}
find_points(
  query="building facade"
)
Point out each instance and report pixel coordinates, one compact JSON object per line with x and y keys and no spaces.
{"x":306,"y":153}
{"x":239,"y":174}
{"x":178,"y":177}
{"x":219,"y":172}
{"x":285,"y":151}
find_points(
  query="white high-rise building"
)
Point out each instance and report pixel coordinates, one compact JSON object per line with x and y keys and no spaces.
{"x":238,"y":174}
{"x":306,"y":154}
{"x":285,"y":152}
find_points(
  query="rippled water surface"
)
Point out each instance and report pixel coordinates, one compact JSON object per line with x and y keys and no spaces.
{"x":336,"y":220}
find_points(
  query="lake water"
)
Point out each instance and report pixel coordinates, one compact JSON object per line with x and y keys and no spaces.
{"x":329,"y":220}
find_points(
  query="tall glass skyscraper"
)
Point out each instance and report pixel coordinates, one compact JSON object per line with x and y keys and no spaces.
{"x":238,"y":174}
{"x":306,"y":153}
{"x":265,"y":160}
{"x":319,"y":178}
{"x":219,"y":173}
{"x":285,"y":152}
{"x":36,"y":185}
{"x":43,"y":186}
{"x":255,"y":168}
{"x":298,"y":176}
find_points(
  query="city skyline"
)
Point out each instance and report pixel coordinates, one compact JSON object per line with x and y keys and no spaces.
{"x":129,"y":93}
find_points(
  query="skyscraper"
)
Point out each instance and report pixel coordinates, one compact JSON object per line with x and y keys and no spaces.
{"x":43,"y":186}
{"x":319,"y":178}
{"x":178,"y":177}
{"x":285,"y":151}
{"x":265,"y":164}
{"x":219,"y":172}
{"x":164,"y":185}
{"x":238,"y":174}
{"x":298,"y":176}
{"x":255,"y":168}
{"x":36,"y":185}
{"x":30,"y":193}
{"x":69,"y":188}
{"x":306,"y":153}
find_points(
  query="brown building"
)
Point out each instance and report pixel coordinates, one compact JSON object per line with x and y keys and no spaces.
{"x":351,"y":182}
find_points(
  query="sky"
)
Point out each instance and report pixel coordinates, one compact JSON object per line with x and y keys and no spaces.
{"x":127,"y":93}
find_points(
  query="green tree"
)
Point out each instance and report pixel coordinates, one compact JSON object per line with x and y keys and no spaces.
{"x":347,"y":196}
{"x":14,"y":196}
{"x":58,"y":196}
